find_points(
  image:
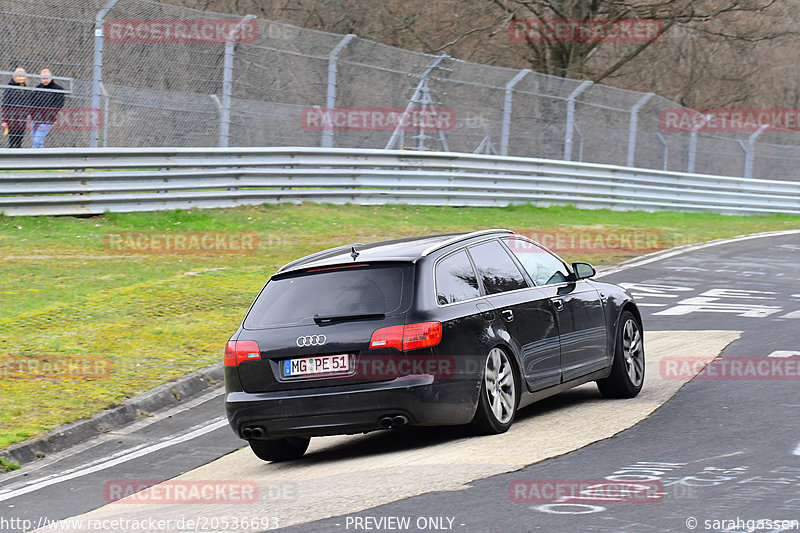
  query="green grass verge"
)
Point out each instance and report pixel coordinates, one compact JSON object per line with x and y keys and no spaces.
{"x":150,"y":318}
{"x":8,"y":466}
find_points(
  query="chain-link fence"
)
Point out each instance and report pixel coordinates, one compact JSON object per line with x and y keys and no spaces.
{"x":146,"y":74}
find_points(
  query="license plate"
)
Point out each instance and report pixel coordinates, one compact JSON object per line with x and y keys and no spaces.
{"x":312,"y":366}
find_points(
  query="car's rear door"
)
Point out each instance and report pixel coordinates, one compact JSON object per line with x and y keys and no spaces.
{"x":527,"y":315}
{"x":465,"y":315}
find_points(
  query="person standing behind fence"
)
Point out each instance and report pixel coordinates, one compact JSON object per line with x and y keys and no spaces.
{"x":15,"y":109}
{"x":45,"y":107}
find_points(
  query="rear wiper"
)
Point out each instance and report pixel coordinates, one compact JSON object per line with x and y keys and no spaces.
{"x":338,"y":318}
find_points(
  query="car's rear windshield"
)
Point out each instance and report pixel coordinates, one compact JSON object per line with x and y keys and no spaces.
{"x":359,"y":291}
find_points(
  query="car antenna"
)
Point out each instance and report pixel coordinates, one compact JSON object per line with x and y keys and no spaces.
{"x":353,"y":254}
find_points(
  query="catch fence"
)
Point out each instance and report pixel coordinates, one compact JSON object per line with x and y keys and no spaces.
{"x":165,"y":75}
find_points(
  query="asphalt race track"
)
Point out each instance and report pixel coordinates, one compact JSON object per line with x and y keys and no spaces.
{"x":720,"y":454}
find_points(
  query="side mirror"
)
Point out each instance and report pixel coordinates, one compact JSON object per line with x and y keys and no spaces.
{"x":583,"y":270}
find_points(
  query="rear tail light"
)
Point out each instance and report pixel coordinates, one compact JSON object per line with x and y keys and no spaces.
{"x":238,"y":351}
{"x":421,"y":335}
{"x":408,"y":337}
{"x":391,"y":337}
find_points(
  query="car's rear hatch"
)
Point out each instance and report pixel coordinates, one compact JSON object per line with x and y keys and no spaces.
{"x":314,"y":328}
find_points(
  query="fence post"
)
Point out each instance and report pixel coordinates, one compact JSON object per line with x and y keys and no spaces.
{"x":580,"y":143}
{"x":665,"y":151}
{"x":751,"y":149}
{"x":105,"y":114}
{"x":227,"y":83}
{"x":330,"y":100}
{"x":693,"y":143}
{"x":507,"y":110}
{"x":215,"y":99}
{"x":634,"y":123}
{"x":571,"y":118}
{"x":97,"y":74}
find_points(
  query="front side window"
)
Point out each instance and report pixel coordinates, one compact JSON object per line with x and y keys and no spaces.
{"x":496,"y":268}
{"x":542,"y":266}
{"x":455,"y":279}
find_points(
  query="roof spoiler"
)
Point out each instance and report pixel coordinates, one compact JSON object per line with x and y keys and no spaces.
{"x":322,"y":254}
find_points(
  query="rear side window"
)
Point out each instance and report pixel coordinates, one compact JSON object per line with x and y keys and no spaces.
{"x":455,"y":279}
{"x":297,"y":299}
{"x":496,"y":268}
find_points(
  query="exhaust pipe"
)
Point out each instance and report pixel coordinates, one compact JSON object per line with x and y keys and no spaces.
{"x":254,"y":432}
{"x":399,"y":420}
{"x":393,"y":421}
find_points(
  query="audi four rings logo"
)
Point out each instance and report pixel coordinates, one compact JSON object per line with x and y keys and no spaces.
{"x":311,"y":340}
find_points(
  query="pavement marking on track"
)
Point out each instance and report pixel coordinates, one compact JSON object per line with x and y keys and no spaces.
{"x":105,"y":437}
{"x":345,"y":474}
{"x":783,"y":353}
{"x":108,"y":462}
{"x":797,"y":450}
{"x":659,"y":256}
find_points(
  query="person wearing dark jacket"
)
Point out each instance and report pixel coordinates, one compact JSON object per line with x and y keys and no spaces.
{"x":15,"y":108}
{"x":45,"y":106}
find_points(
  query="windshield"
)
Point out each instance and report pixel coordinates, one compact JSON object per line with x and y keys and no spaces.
{"x":359,"y":292}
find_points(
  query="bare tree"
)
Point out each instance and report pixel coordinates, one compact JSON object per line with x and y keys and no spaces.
{"x":707,"y":52}
{"x":570,"y":56}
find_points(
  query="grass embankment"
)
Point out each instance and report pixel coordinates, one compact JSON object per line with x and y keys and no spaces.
{"x":154,"y":317}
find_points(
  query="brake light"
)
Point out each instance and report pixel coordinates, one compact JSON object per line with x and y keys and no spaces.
{"x":238,"y":351}
{"x":408,"y":337}
{"x":325,"y":269}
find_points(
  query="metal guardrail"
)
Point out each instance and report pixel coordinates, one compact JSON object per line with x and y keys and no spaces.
{"x":79,"y":181}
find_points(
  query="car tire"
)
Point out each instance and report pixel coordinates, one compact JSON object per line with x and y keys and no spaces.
{"x":627,"y":369}
{"x":499,"y":395}
{"x":277,"y":450}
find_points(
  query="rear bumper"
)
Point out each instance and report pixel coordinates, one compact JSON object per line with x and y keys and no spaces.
{"x":354,"y":408}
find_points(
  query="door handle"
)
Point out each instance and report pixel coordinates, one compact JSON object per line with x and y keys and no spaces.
{"x":559,"y":304}
{"x":508,"y":314}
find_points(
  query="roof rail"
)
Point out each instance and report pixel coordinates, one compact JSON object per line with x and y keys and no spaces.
{"x":461,"y":237}
{"x":322,"y":254}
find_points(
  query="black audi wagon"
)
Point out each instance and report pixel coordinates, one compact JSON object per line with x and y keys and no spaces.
{"x":436,"y":330}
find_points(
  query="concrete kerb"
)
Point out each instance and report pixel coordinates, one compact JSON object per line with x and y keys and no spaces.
{"x":166,"y":395}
